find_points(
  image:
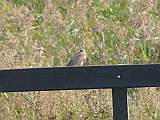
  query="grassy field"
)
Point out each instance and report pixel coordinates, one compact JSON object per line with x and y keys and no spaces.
{"x":44,"y":33}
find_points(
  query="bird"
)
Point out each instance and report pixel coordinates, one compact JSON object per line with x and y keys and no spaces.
{"x":78,"y":58}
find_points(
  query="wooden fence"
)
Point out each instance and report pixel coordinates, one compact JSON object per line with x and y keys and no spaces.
{"x":116,"y":77}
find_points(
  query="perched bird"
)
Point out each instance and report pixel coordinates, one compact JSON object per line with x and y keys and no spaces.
{"x":78,"y":58}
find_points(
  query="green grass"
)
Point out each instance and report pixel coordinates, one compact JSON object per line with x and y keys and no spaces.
{"x":47,"y":33}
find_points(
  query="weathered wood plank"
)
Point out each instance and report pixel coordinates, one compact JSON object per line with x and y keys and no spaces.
{"x":86,"y":77}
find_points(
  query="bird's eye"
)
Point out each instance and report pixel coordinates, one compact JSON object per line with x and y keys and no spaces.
{"x":81,"y":50}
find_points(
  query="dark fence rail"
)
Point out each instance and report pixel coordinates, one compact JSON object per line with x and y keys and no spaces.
{"x":117,"y":77}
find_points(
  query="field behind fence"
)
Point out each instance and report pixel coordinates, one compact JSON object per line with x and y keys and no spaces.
{"x":47,"y":33}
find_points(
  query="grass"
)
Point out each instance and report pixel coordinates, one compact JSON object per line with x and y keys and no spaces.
{"x":47,"y":33}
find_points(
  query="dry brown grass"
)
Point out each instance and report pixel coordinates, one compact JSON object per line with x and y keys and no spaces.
{"x":81,"y":104}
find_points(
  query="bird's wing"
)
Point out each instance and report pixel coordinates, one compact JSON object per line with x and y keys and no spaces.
{"x":71,"y":63}
{"x":76,"y":60}
{"x":74,"y":63}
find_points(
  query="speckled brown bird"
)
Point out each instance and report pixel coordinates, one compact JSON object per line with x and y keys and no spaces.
{"x":78,"y":58}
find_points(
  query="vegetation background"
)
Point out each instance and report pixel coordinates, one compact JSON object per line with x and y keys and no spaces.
{"x":44,"y":33}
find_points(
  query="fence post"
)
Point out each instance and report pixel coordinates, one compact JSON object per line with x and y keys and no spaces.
{"x":120,"y":103}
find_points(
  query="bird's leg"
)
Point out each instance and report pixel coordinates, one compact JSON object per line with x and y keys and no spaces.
{"x":81,"y":63}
